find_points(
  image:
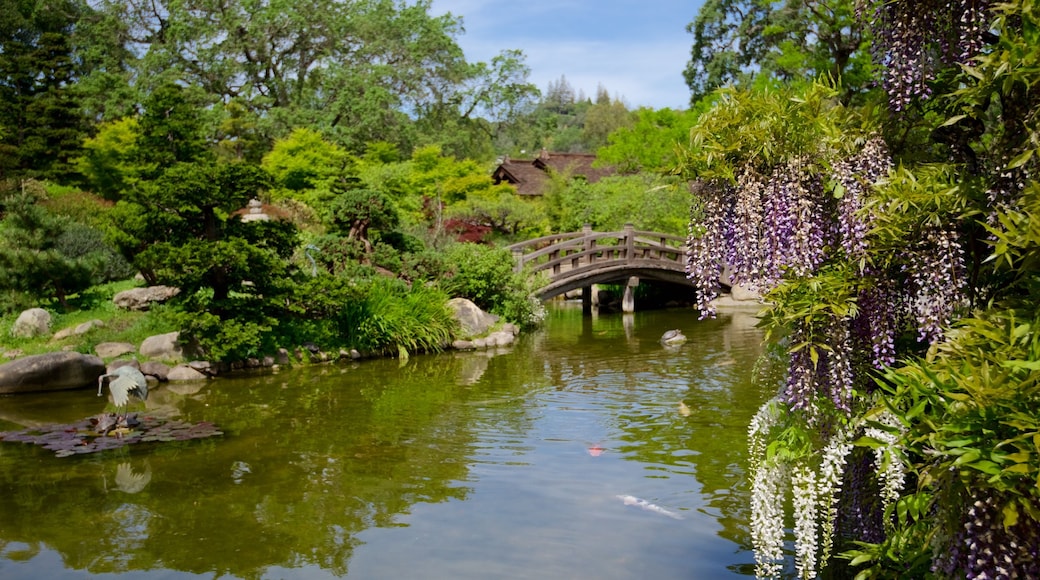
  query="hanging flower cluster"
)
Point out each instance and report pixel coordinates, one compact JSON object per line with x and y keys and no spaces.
{"x":760,"y":229}
{"x":887,"y":461}
{"x":804,"y":500}
{"x":913,"y":40}
{"x":833,"y":460}
{"x":768,"y":482}
{"x":705,"y":257}
{"x":983,"y":547}
{"x":936,"y":268}
{"x":856,"y":176}
{"x":815,"y":484}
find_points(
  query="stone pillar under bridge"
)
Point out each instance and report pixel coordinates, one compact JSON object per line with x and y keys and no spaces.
{"x":628,"y":302}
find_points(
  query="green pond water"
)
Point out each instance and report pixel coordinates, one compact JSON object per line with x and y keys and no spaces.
{"x":505,"y":464}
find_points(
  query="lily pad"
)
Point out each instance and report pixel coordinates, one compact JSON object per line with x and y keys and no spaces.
{"x":83,"y":437}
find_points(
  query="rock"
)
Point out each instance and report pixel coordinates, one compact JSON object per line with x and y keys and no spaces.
{"x":184,"y":372}
{"x":162,"y":346}
{"x":50,"y":372}
{"x":126,"y":362}
{"x":202,"y":366}
{"x":500,"y":338}
{"x":462,"y":345}
{"x":472,"y":319}
{"x":673,"y":338}
{"x":282,"y":356}
{"x":13,"y":353}
{"x":744,"y":294}
{"x":144,"y":298}
{"x":113,"y":349}
{"x":32,"y":322}
{"x":78,"y":329}
{"x":155,"y":369}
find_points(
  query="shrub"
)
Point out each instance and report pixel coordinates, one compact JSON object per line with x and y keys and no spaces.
{"x":486,"y":276}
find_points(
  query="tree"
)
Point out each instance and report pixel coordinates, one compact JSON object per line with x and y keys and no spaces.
{"x":305,"y":160}
{"x":30,"y":260}
{"x":354,"y":70}
{"x":607,"y":205}
{"x":490,"y":100}
{"x":736,"y":40}
{"x":649,"y":143}
{"x":559,"y":96}
{"x":108,"y":158}
{"x":192,"y":240}
{"x":39,"y":109}
{"x":355,"y":211}
{"x":602,"y":119}
{"x":170,"y":130}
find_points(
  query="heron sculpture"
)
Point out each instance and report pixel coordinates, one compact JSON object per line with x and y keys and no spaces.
{"x":123,"y":382}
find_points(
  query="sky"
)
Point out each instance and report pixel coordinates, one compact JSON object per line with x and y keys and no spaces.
{"x":636,"y":49}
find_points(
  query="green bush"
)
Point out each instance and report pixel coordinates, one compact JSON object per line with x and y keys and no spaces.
{"x":397,"y":316}
{"x":82,"y":241}
{"x":486,"y":276}
{"x":377,"y":315}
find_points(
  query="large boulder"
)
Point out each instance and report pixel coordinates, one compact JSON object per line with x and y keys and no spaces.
{"x":113,"y":349}
{"x":473,"y":320}
{"x":162,"y":347}
{"x":32,"y":322}
{"x":79,"y":329}
{"x":52,"y":371}
{"x":144,"y":298}
{"x":156,"y":370}
{"x":184,"y":372}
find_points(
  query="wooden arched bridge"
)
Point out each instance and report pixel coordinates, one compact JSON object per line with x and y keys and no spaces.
{"x":580,"y":259}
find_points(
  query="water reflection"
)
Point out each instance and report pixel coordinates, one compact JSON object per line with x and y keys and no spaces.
{"x":463,"y":465}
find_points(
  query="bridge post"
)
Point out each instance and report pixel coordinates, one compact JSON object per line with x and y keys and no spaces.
{"x":628,"y":302}
{"x":518,"y":259}
{"x":630,"y":240}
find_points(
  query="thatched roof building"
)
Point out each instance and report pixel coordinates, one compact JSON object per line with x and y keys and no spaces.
{"x":530,"y":176}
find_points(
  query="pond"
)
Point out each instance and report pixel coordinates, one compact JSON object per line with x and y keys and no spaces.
{"x":585,"y":450}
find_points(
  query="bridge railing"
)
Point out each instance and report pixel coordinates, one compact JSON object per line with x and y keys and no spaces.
{"x":560,"y":253}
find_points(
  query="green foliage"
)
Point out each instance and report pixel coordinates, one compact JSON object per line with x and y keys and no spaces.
{"x":768,"y":126}
{"x":170,"y":130}
{"x":501,"y":209}
{"x":81,"y":242}
{"x":31,"y":261}
{"x":736,"y":40}
{"x":227,"y":339}
{"x":972,"y":439}
{"x":41,"y":124}
{"x":649,"y":144}
{"x":397,"y":316}
{"x":486,"y":276}
{"x":375,"y":315}
{"x":652,"y":203}
{"x":354,"y":211}
{"x":602,"y":119}
{"x":108,"y":158}
{"x":304,"y":160}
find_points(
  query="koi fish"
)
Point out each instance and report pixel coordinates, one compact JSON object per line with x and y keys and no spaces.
{"x":645,"y":505}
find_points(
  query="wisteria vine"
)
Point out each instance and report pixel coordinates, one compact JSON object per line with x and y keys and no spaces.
{"x":914,"y":40}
